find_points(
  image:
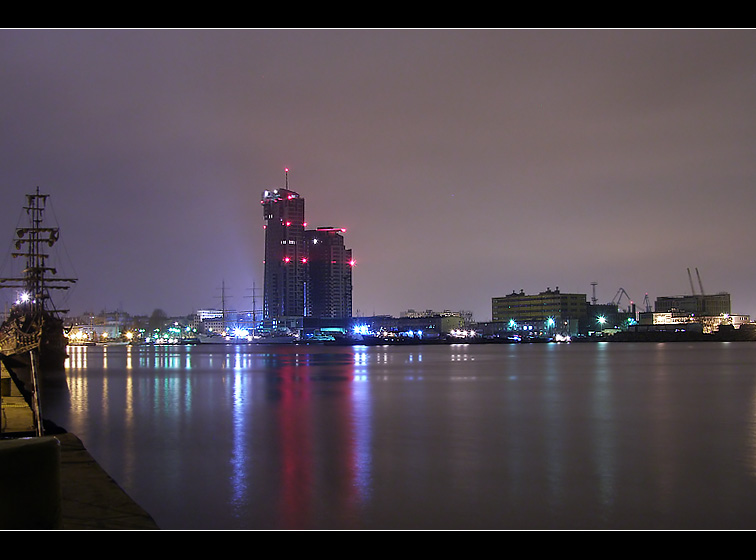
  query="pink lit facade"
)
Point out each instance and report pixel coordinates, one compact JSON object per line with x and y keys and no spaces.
{"x":308,"y":273}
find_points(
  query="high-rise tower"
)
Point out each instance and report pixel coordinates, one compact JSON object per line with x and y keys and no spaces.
{"x":329,"y":286}
{"x":285,"y":253}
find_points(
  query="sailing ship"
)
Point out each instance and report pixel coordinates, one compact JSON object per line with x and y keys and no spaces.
{"x":33,"y":332}
{"x":231,"y":334}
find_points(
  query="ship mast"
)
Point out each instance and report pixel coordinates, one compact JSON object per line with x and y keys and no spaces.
{"x":36,"y":280}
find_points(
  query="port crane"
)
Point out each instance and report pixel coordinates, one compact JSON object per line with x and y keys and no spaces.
{"x":647,"y":304}
{"x":618,"y":297}
{"x":700,"y":285}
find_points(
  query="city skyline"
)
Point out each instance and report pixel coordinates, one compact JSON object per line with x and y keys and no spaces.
{"x":464,"y":164}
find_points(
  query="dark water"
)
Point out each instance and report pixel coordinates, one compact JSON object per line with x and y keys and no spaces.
{"x":580,"y":436}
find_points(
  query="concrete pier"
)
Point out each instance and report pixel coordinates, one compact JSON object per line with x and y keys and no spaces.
{"x":88,"y":498}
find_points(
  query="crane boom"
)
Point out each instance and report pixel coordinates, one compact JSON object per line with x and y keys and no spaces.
{"x":618,"y":297}
{"x":700,"y":285}
{"x":690,"y":279}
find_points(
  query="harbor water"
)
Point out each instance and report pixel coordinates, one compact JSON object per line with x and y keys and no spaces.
{"x":510,"y":436}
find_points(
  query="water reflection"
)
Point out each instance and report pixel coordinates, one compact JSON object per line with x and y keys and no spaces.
{"x":604,"y":429}
{"x":463,"y":436}
{"x":240,"y":451}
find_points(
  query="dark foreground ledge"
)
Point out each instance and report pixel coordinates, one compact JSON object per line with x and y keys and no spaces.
{"x":53,"y":482}
{"x":91,"y":499}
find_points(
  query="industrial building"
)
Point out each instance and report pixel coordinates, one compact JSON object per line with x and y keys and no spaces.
{"x":698,"y":304}
{"x":550,"y":310}
{"x":675,"y":319}
{"x":707,"y":312}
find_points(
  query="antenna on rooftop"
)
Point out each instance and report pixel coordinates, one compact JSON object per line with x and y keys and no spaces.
{"x":286,"y":172}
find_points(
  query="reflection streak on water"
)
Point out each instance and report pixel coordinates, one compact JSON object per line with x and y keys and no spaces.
{"x":361,"y":426}
{"x":604,"y":429}
{"x":239,"y":456}
{"x":553,"y":411}
{"x":331,"y":438}
{"x":663,"y":433}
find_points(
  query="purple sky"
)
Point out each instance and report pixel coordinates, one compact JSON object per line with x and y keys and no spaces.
{"x":464,"y":163}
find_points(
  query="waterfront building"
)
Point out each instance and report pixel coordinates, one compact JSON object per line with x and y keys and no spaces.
{"x":465,"y":315}
{"x":548,"y":311}
{"x":422,"y":326}
{"x":671,"y":320}
{"x":96,"y":332}
{"x":285,"y":254}
{"x":698,"y":304}
{"x":212,"y":320}
{"x":308,"y":273}
{"x":201,"y":319}
{"x":328,"y":293}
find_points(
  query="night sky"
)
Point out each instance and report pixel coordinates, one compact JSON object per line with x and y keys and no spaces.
{"x":465,"y":164}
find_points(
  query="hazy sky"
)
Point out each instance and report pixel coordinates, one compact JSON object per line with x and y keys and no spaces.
{"x":465,"y":164}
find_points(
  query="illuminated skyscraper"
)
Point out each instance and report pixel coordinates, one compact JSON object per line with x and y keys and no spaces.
{"x":329,"y":286}
{"x":285,"y":254}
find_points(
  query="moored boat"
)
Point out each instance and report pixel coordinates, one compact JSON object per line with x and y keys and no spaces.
{"x":32,"y":337}
{"x":286,"y":338}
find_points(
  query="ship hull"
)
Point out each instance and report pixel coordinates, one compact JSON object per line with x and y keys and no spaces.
{"x":21,"y":335}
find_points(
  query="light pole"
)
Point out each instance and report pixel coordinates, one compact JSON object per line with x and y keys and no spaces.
{"x":601,"y":320}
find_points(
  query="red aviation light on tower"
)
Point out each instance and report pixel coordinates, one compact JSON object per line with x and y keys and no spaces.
{"x":304,"y":260}
{"x":287,"y":260}
{"x":352,"y":262}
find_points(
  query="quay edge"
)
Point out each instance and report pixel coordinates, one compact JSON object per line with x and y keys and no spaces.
{"x":73,"y":491}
